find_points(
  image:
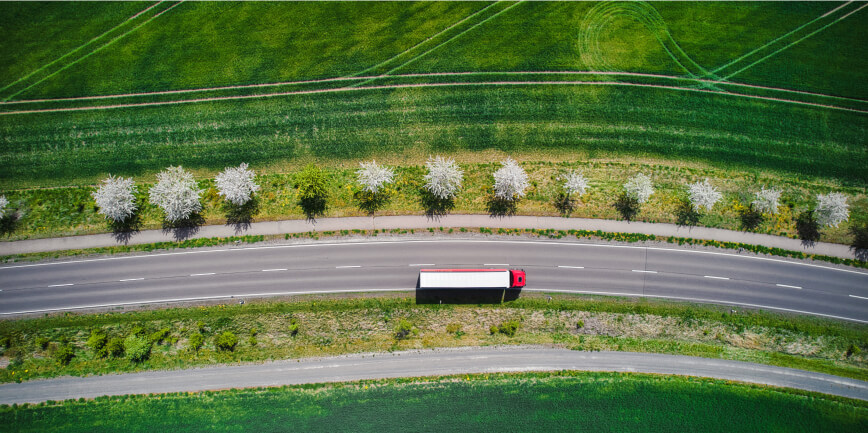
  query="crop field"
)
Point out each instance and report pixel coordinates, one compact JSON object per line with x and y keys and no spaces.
{"x":130,"y":88}
{"x":522,"y":402}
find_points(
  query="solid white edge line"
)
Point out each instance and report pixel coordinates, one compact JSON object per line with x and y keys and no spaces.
{"x":249,"y":295}
{"x":572,"y":267}
{"x":202,"y":275}
{"x":579,"y":244}
{"x":715,"y":278}
{"x":495,"y":264}
{"x":61,"y":285}
{"x":422,"y":264}
{"x":274,"y":270}
{"x":131,"y":279}
{"x":644,"y":272}
{"x":788,"y":286}
{"x":858,"y":297}
{"x":350,"y":266}
{"x":712,"y":301}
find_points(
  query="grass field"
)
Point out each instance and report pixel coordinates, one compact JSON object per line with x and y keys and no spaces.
{"x":703,"y":105}
{"x":541,"y":402}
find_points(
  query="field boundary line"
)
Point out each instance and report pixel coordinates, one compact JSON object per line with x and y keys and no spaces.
{"x":434,"y":74}
{"x":107,"y":44}
{"x":421,"y":85}
{"x":420,"y":43}
{"x":786,"y":47}
{"x":92,"y":40}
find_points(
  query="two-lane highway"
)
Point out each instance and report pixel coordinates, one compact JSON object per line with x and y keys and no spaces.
{"x":393,"y":265}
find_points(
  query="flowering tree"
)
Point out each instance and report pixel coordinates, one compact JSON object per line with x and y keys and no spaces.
{"x":115,"y":198}
{"x":574,"y":182}
{"x":444,"y":177}
{"x":237,"y":184}
{"x":510,"y":181}
{"x":176,"y":193}
{"x":372,"y":177}
{"x":832,"y":209}
{"x":639,"y":188}
{"x":767,"y":200}
{"x":3,"y":203}
{"x":703,"y":195}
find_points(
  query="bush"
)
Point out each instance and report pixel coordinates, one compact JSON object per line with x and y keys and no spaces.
{"x":195,"y":342}
{"x":506,"y":328}
{"x":137,"y":348}
{"x":226,"y":341}
{"x":405,"y":329}
{"x":42,"y":342}
{"x":159,"y":336}
{"x":580,"y":324}
{"x":115,"y":347}
{"x":293,"y":327}
{"x":853,"y":349}
{"x":97,"y":343}
{"x":63,"y":354}
{"x":252,"y":341}
{"x":453,"y":328}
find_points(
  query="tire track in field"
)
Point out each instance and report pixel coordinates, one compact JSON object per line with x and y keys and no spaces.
{"x":436,"y":74}
{"x":434,"y":85}
{"x":98,"y":49}
{"x":79,"y":47}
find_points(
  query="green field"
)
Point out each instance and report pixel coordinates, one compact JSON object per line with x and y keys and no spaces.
{"x":566,"y":401}
{"x":696,"y":108}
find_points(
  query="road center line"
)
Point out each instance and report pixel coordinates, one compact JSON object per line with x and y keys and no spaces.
{"x":351,"y":266}
{"x":859,"y":297}
{"x":572,"y":267}
{"x":644,"y":272}
{"x":274,"y":270}
{"x":788,"y":286}
{"x":202,"y":275}
{"x":60,"y":285}
{"x":715,"y":278}
{"x":132,"y":279}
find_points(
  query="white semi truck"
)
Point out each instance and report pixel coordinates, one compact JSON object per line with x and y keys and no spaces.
{"x":472,"y":279}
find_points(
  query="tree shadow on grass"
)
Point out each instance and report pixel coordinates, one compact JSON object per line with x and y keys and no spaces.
{"x":9,"y":223}
{"x":240,"y":217}
{"x":686,"y":215}
{"x":124,"y":230}
{"x":435,"y":207}
{"x":565,"y":204}
{"x":750,"y":218}
{"x":184,"y":229}
{"x":370,"y":202}
{"x":313,"y":207}
{"x":499,"y":208}
{"x":860,"y":241}
{"x":808,"y":228}
{"x":627,"y":206}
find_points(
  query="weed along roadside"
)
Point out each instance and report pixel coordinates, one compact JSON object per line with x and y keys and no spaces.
{"x":140,"y":340}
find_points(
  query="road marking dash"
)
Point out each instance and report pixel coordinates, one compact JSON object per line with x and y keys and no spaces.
{"x":274,"y":270}
{"x":60,"y":285}
{"x":788,"y":286}
{"x":496,"y":264}
{"x":644,"y":272}
{"x":202,"y":275}
{"x":572,"y":267}
{"x":859,"y":297}
{"x":421,"y":264}
{"x":132,"y":279}
{"x":351,"y":266}
{"x":715,"y":278}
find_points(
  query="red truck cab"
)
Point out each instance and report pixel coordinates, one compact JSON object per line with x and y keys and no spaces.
{"x":519,"y":279}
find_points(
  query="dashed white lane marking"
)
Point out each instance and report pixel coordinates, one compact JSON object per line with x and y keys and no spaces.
{"x":274,"y":270}
{"x":60,"y":285}
{"x":715,"y":278}
{"x":859,"y":297}
{"x":572,"y":267}
{"x":421,"y":264}
{"x":495,"y":264}
{"x":132,"y":279}
{"x":202,"y":275}
{"x":644,"y":272}
{"x":788,"y":286}
{"x":351,"y":266}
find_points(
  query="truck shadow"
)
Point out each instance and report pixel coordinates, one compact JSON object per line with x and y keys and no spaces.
{"x":466,"y":296}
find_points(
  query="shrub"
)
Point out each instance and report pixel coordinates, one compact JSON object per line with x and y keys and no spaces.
{"x":580,"y":324}
{"x":42,"y":342}
{"x":252,"y":341}
{"x":97,"y":342}
{"x":115,"y":347}
{"x":226,"y":341}
{"x":453,"y":328}
{"x":405,"y":329}
{"x":137,"y":348}
{"x":159,"y":336}
{"x":293,"y":327}
{"x":3,"y":203}
{"x":853,"y":349}
{"x":195,"y":342}
{"x":63,"y":354}
{"x":5,"y":342}
{"x":506,"y":328}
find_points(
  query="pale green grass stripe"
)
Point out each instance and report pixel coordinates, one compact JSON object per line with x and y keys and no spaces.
{"x":794,"y":43}
{"x":423,"y":42}
{"x":107,"y":44}
{"x":80,"y":47}
{"x":433,"y":85}
{"x":437,"y":74}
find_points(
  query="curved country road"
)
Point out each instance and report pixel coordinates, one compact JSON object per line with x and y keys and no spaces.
{"x":423,"y":363}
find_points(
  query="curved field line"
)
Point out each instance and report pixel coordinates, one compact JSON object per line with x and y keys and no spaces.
{"x":421,"y":85}
{"x":757,"y":49}
{"x":68,"y":65}
{"x":434,"y":74}
{"x":773,"y":53}
{"x":420,"y":43}
{"x":79,"y":47}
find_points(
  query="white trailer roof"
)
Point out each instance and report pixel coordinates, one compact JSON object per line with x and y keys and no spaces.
{"x":459,"y":279}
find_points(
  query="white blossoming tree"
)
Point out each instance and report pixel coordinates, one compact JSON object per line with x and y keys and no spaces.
{"x":574,"y":183}
{"x":639,"y":188}
{"x":703,"y":195}
{"x":116,"y":198}
{"x":372,"y":177}
{"x":832,"y":209}
{"x":444,"y":177}
{"x":176,"y":193}
{"x":237,"y":184}
{"x":3,"y":203}
{"x":510,"y":181}
{"x":767,"y":200}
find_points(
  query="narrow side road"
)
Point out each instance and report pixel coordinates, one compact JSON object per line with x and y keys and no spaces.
{"x":436,"y":362}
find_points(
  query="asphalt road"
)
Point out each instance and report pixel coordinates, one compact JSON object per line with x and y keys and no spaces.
{"x":423,"y":363}
{"x":393,"y":265}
